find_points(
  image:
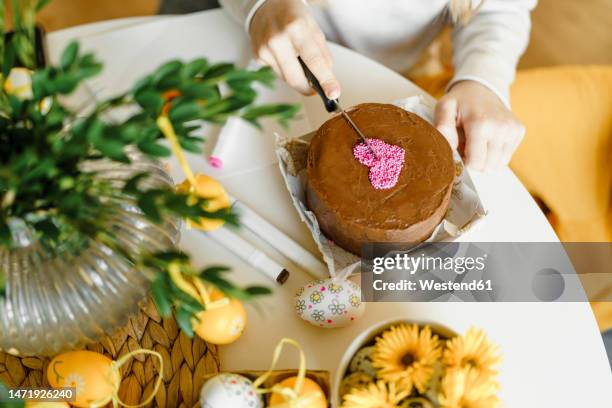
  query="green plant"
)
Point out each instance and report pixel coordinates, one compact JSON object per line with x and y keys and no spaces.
{"x":45,"y":148}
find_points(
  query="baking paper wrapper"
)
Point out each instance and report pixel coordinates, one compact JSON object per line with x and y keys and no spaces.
{"x":465,"y":207}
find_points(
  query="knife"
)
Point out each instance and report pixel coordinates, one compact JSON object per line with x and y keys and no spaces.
{"x":333,"y":105}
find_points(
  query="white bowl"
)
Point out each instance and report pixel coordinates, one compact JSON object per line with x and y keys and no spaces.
{"x":367,"y":337}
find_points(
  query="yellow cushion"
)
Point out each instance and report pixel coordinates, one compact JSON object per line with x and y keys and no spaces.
{"x":566,"y":157}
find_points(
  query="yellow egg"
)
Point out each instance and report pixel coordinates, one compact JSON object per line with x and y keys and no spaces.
{"x":223,"y":324}
{"x":308,"y":387}
{"x":39,"y":404}
{"x":19,"y":83}
{"x":90,"y":373}
{"x":213,"y":191}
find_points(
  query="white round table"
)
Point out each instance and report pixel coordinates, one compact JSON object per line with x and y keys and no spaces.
{"x":553,"y":352}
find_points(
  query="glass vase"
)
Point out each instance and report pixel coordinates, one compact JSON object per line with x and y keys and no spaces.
{"x":55,"y":300}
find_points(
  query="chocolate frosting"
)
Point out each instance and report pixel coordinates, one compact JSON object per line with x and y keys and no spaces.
{"x":349,"y":210}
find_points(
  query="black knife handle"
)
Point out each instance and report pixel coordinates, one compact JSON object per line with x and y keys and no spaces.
{"x":330,"y":104}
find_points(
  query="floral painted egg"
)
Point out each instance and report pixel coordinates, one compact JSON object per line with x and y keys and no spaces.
{"x":362,"y":362}
{"x":229,"y":390}
{"x":354,"y":380}
{"x":329,"y":303}
{"x":88,"y":372}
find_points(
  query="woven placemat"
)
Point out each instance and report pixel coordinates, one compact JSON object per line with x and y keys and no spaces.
{"x":187,"y":362}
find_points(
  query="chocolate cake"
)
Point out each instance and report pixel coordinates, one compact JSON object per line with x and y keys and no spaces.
{"x":341,"y":190}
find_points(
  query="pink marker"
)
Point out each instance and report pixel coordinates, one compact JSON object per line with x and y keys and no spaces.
{"x":226,"y":142}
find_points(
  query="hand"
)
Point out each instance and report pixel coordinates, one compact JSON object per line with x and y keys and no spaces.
{"x":492,"y":132}
{"x":282,"y":30}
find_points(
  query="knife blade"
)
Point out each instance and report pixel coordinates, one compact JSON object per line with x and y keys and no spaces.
{"x":333,"y":105}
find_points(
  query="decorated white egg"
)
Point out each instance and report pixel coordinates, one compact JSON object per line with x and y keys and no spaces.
{"x":229,"y":390}
{"x":362,"y":362}
{"x":329,"y":303}
{"x":354,"y":380}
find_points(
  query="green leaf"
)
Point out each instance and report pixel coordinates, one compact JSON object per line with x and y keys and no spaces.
{"x":2,"y":284}
{"x":184,"y":112}
{"x":258,"y":290}
{"x":282,"y":112}
{"x":148,"y":206}
{"x":191,"y":144}
{"x":16,"y":15}
{"x":5,"y":233}
{"x":183,"y":318}
{"x":47,"y":228}
{"x":159,"y":289}
{"x":168,"y":69}
{"x":39,"y":78}
{"x":195,"y":67}
{"x":95,"y":131}
{"x":131,"y":186}
{"x":218,"y":70}
{"x":215,"y":270}
{"x":69,"y":55}
{"x":113,"y":149}
{"x":66,"y":84}
{"x":154,"y":149}
{"x":201,"y":91}
{"x":150,"y":100}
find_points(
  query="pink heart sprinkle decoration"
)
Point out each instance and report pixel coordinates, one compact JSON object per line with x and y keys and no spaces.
{"x":385,"y":169}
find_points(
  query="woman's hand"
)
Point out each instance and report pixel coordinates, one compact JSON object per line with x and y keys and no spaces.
{"x":492,"y":132}
{"x":282,"y":30}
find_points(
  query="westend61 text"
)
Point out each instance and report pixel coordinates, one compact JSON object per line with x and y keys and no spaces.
{"x":433,"y":285}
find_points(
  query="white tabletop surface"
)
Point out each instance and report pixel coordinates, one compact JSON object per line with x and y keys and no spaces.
{"x":553,"y":352}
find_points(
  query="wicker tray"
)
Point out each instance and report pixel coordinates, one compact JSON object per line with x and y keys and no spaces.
{"x":187,"y":362}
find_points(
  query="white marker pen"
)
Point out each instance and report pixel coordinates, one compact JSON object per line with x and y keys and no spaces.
{"x":251,"y":255}
{"x":280,"y":241}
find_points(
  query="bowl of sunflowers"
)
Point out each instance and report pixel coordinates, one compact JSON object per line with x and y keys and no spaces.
{"x":418,"y":364}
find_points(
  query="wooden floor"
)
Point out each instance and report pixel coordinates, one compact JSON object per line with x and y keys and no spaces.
{"x":570,"y":32}
{"x":67,"y":13}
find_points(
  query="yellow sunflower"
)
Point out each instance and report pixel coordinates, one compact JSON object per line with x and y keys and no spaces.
{"x":472,"y":350}
{"x":468,"y":388}
{"x":379,"y":395}
{"x":406,"y":354}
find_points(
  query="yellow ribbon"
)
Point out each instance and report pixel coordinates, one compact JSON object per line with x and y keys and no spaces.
{"x":164,"y":124}
{"x":116,"y":373}
{"x":291,"y":395}
{"x":200,"y":293}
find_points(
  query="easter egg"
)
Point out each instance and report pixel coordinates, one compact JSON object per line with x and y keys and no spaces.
{"x":329,"y":303}
{"x":362,"y":362}
{"x":217,"y":199}
{"x":354,"y":380}
{"x":19,"y":83}
{"x":229,"y":390}
{"x":309,"y":388}
{"x":222,"y":324}
{"x":88,"y":372}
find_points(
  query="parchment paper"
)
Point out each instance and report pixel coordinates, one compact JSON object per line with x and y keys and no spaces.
{"x":464,"y":210}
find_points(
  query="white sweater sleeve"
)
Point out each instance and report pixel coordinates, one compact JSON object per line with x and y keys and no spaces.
{"x":242,"y":10}
{"x":488,"y":47}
